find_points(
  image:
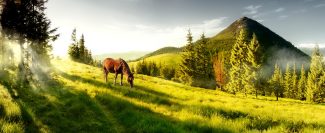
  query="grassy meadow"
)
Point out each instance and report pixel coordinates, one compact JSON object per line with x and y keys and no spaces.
{"x":76,"y":99}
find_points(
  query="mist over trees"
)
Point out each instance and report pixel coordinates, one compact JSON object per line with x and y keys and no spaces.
{"x":25,"y":23}
{"x":245,"y":74}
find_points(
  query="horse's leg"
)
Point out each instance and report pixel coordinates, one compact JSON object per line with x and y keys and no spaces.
{"x":115,"y":78}
{"x":105,"y":75}
{"x":121,"y":79}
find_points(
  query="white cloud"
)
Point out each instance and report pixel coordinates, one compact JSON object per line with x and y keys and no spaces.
{"x":311,"y":45}
{"x":300,"y":11}
{"x":251,"y":10}
{"x":279,"y":9}
{"x":117,"y":37}
{"x":319,"y":5}
{"x":260,"y":20}
{"x":283,"y":16}
{"x":308,"y":0}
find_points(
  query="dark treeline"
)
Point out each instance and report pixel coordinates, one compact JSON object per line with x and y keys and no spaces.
{"x":26,"y":34}
{"x":78,"y":51}
{"x":154,"y":69}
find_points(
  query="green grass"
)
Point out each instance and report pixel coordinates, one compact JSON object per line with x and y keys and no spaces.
{"x":78,"y":100}
{"x":167,"y":59}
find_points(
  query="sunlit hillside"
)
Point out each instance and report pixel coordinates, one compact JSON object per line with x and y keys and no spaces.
{"x":167,"y":59}
{"x":78,"y":100}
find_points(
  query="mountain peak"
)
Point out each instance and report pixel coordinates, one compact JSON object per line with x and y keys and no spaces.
{"x":273,"y":46}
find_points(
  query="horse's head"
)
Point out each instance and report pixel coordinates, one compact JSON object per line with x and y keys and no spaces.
{"x":130,"y":79}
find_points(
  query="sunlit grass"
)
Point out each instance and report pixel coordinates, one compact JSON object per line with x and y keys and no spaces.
{"x":77,"y":99}
{"x":206,"y":108}
{"x":10,"y":113}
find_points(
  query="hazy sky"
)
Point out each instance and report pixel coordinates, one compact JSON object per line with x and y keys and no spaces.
{"x":112,"y":26}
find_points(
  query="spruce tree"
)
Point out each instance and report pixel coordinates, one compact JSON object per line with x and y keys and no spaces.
{"x":315,"y":73}
{"x":237,"y":59}
{"x":203,"y":64}
{"x":187,"y":66}
{"x":294,"y":83}
{"x":83,"y":52}
{"x":251,"y":66}
{"x":302,"y":84}
{"x":287,"y":82}
{"x":276,"y":81}
{"x":74,"y":51}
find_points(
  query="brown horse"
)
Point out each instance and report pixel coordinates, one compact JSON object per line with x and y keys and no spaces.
{"x":118,"y":66}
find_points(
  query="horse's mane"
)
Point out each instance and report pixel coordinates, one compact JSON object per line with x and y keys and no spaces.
{"x":125,"y":67}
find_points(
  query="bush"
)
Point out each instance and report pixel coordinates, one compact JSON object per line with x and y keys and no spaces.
{"x":167,"y":72}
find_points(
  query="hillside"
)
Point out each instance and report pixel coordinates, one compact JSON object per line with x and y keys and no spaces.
{"x":163,"y":50}
{"x":77,"y":100}
{"x":167,"y":59}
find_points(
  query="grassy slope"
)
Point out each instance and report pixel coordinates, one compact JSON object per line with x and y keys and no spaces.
{"x":163,"y":50}
{"x":168,"y":59}
{"x":78,"y":100}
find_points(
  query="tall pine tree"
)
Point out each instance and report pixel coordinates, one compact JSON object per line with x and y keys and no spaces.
{"x":302,"y":84}
{"x":83,"y":52}
{"x":287,"y":82}
{"x":276,"y":81}
{"x":74,"y":51}
{"x":315,"y":73}
{"x":294,"y":83}
{"x":251,"y":66}
{"x":187,"y":66}
{"x":237,"y":58}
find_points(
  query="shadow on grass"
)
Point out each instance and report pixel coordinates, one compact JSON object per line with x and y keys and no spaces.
{"x":140,"y":119}
{"x":133,"y":118}
{"x":56,"y":108}
{"x":138,"y":92}
{"x":208,"y":111}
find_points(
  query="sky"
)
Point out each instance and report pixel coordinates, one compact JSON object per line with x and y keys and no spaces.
{"x":116,"y":26}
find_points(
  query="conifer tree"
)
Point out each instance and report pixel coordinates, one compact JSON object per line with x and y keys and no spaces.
{"x":83,"y":52}
{"x":203,"y":64}
{"x":287,"y":83}
{"x":315,"y":74}
{"x":202,"y":58}
{"x":251,"y":66}
{"x":276,"y":81}
{"x":187,"y":66}
{"x":294,"y":83}
{"x":74,"y":48}
{"x":237,"y":59}
{"x":302,"y":84}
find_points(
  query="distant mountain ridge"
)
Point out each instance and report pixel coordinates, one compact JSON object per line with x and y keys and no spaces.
{"x":126,"y":55}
